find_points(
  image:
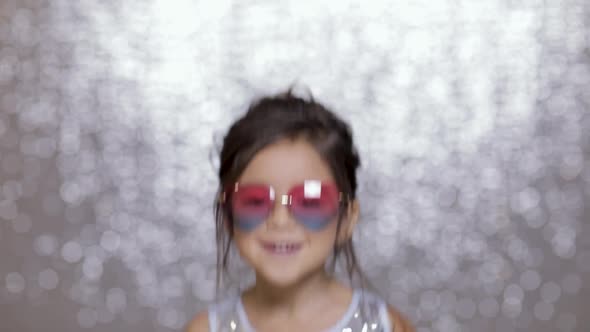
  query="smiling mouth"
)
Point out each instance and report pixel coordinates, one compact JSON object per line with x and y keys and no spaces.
{"x":281,"y":248}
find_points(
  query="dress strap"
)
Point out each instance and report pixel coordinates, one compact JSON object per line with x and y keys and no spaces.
{"x":212,"y":314}
{"x":384,"y":316}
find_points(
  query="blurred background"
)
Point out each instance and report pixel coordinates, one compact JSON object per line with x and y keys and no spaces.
{"x":472,"y":119}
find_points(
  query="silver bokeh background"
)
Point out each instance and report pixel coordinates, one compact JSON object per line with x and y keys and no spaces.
{"x":471,"y":117}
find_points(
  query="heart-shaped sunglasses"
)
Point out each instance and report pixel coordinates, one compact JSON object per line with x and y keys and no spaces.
{"x":313,"y":203}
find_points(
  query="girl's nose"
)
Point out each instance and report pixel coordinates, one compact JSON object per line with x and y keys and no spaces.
{"x":280,"y":215}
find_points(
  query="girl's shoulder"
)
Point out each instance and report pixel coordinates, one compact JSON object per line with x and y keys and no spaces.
{"x":199,"y":323}
{"x":399,"y":321}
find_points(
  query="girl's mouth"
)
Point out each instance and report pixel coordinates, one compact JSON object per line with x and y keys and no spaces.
{"x":281,"y":248}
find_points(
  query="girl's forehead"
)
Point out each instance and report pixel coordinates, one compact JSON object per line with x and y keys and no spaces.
{"x":286,"y":163}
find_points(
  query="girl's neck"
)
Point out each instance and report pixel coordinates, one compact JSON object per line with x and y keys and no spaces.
{"x":289,"y":298}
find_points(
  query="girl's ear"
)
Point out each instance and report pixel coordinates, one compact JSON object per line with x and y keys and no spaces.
{"x":350,"y":220}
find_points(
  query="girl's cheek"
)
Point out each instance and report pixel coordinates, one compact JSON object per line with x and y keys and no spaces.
{"x":247,"y":225}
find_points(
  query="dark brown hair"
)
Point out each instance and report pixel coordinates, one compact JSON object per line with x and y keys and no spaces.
{"x":286,"y":116}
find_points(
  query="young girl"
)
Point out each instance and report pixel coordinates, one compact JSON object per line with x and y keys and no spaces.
{"x":287,"y":200}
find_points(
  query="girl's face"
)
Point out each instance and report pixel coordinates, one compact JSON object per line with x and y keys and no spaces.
{"x":281,"y":249}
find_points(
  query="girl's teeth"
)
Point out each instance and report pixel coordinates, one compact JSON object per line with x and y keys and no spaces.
{"x":282,"y":248}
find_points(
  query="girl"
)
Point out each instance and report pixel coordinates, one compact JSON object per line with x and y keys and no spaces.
{"x":287,"y":200}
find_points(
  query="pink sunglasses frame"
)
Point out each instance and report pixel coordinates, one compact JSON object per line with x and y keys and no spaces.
{"x":285,"y":199}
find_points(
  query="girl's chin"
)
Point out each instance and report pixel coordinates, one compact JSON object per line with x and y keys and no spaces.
{"x":277,"y":280}
{"x":279,"y":277}
{"x":285,"y":276}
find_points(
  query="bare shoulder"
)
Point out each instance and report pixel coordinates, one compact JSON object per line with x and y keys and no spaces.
{"x":400,"y":322}
{"x":200,"y":323}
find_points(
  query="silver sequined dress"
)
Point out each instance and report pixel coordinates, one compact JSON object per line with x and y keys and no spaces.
{"x":366,"y":313}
